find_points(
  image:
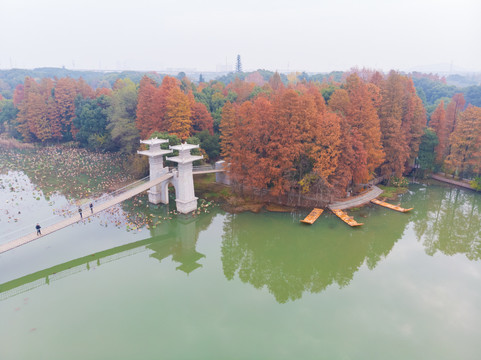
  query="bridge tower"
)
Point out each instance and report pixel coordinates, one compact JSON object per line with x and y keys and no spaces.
{"x":159,"y":193}
{"x":183,"y":178}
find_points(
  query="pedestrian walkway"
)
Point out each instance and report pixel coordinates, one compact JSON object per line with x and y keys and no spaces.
{"x":462,"y":184}
{"x":76,"y":218}
{"x":356,"y":201}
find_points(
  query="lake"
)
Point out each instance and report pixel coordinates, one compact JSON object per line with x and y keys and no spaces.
{"x":243,"y":286}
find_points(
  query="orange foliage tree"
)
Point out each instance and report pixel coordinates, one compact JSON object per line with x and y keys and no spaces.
{"x":465,"y":143}
{"x":178,"y":114}
{"x":201,"y":118}
{"x":227,"y":125}
{"x":357,"y":105}
{"x":145,"y":107}
{"x":438,"y":123}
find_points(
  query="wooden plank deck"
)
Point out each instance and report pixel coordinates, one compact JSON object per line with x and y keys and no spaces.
{"x":349,"y":220}
{"x":72,"y":220}
{"x":312,"y":217}
{"x":390,"y":206}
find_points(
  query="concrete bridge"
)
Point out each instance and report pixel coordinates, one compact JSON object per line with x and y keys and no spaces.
{"x":156,"y":184}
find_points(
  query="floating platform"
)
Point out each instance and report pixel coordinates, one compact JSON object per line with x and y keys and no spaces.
{"x":390,"y":206}
{"x":312,"y":216}
{"x":349,"y":220}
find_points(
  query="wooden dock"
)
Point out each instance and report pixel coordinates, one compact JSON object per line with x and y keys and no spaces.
{"x":312,"y":217}
{"x":76,"y":218}
{"x":390,"y":206}
{"x":349,"y":220}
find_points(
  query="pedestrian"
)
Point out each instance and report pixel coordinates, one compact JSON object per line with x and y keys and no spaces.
{"x":91,"y":208}
{"x":80,"y":212}
{"x":38,"y":230}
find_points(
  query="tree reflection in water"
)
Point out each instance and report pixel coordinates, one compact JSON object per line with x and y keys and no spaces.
{"x":291,"y":259}
{"x":448,"y":220}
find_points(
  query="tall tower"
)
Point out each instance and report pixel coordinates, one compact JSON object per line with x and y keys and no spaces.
{"x":158,"y":193}
{"x":183,"y":178}
{"x":238,"y":67}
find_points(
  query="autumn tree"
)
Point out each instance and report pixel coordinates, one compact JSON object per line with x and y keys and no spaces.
{"x":403,"y":119}
{"x":275,"y":82}
{"x":465,"y":143}
{"x":227,"y":125}
{"x":454,"y":108}
{"x":414,"y":119}
{"x":145,"y":107}
{"x":356,"y":104}
{"x":201,"y":118}
{"x":33,"y":123}
{"x":178,"y":114}
{"x":438,"y":124}
{"x":285,"y":143}
{"x":65,"y":95}
{"x":242,"y":88}
{"x":19,"y":94}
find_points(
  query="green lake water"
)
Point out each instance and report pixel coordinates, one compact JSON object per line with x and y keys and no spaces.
{"x":246,"y":286}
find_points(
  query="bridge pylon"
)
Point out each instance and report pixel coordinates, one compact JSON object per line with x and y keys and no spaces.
{"x":183,"y":178}
{"x":159,"y":193}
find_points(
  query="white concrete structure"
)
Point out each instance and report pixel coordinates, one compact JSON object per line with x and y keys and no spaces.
{"x":159,"y":193}
{"x":183,"y":178}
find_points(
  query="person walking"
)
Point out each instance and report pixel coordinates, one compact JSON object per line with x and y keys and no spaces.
{"x":91,"y":208}
{"x":80,"y":212}
{"x":38,"y":230}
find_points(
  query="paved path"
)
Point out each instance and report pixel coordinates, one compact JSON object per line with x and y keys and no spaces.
{"x":373,"y":193}
{"x":452,"y":181}
{"x":98,"y":208}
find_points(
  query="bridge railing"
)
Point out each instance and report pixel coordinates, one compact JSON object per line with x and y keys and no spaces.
{"x":69,"y":211}
{"x":203,"y":168}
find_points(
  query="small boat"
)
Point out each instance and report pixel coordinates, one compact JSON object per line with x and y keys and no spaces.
{"x":312,"y":217}
{"x":390,"y":206}
{"x":349,"y":220}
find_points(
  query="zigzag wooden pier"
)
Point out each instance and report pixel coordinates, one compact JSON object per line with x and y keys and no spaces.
{"x":313,"y":216}
{"x":349,"y":220}
{"x":390,"y":206}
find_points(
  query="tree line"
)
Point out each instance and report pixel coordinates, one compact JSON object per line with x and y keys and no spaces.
{"x":281,"y":133}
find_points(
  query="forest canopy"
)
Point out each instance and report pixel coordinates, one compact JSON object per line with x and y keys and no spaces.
{"x":296,"y":132}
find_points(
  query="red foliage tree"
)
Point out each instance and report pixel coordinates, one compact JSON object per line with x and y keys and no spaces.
{"x":201,"y":118}
{"x":145,"y":107}
{"x":438,"y":123}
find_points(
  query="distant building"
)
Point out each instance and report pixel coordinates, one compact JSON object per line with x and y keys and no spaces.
{"x":238,"y":67}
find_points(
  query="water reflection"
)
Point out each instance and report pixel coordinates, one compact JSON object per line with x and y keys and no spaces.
{"x":177,"y":238}
{"x":448,"y":220}
{"x":181,"y":243}
{"x":290,"y":259}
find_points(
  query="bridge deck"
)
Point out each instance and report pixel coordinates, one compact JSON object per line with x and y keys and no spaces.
{"x":198,"y":172}
{"x":72,"y":220}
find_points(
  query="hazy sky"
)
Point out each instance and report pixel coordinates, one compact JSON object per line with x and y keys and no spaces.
{"x":276,"y":35}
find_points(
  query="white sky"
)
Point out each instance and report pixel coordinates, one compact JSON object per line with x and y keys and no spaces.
{"x":310,"y":35}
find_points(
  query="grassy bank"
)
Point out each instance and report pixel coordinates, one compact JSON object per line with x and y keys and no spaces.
{"x":207,"y":188}
{"x":391,"y":192}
